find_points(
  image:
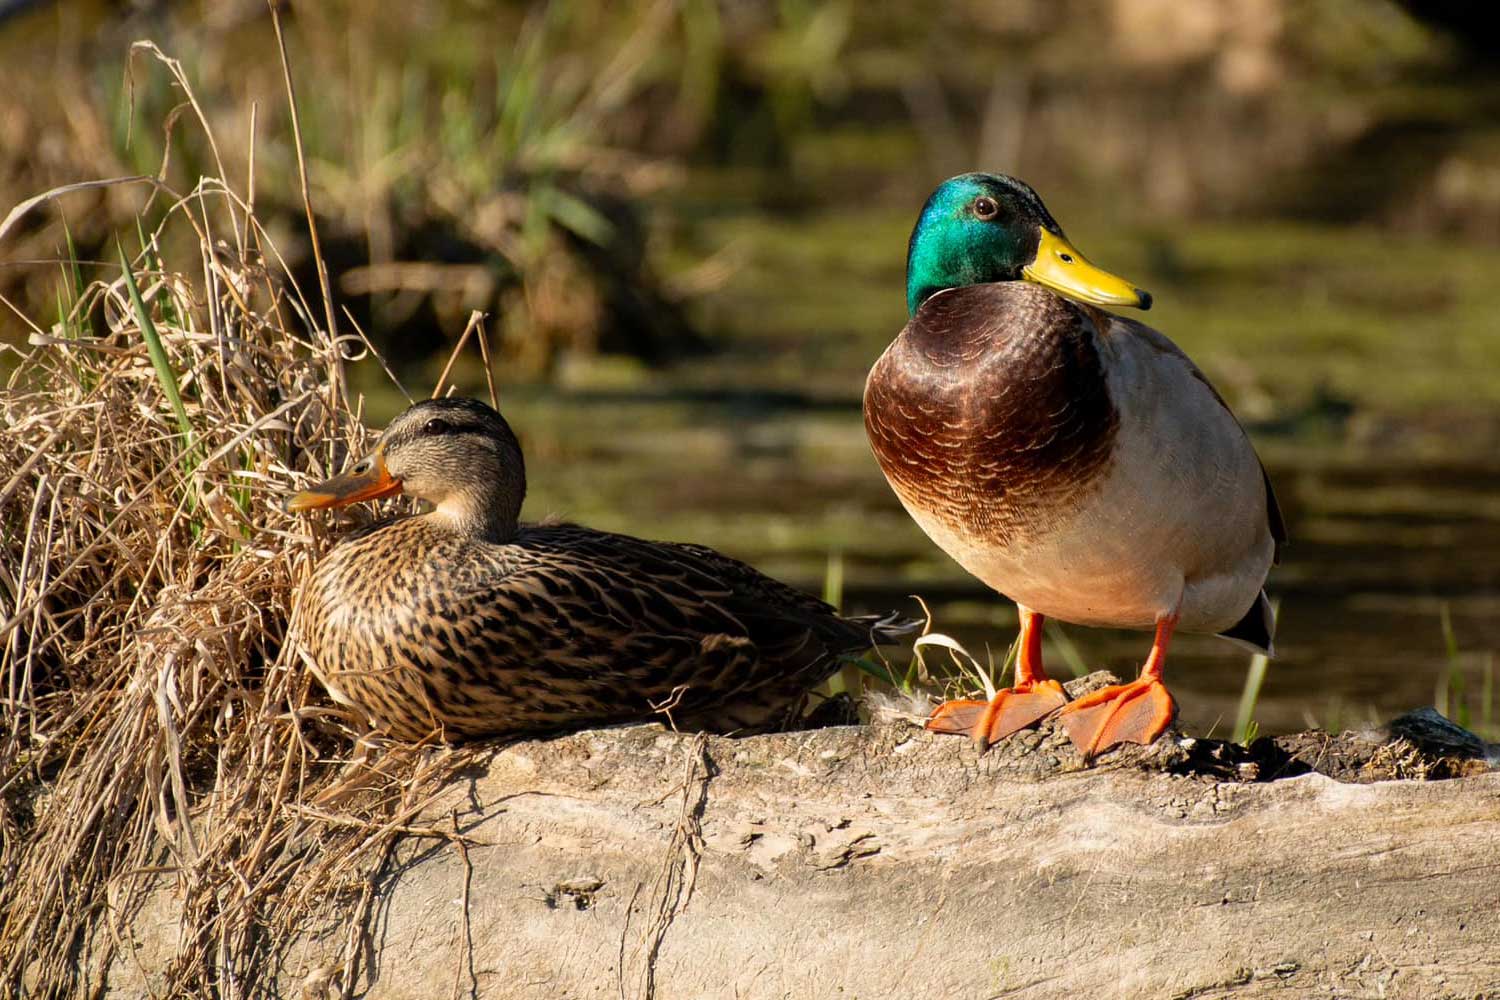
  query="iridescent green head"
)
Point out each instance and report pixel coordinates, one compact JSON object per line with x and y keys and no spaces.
{"x":979,"y":228}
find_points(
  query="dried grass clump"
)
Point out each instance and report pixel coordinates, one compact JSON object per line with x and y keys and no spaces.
{"x":156,"y":725}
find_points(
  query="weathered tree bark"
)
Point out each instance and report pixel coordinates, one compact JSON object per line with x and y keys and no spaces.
{"x":883,"y":861}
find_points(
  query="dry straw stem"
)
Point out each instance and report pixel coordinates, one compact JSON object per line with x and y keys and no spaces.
{"x":153,"y":715}
{"x":675,"y":879}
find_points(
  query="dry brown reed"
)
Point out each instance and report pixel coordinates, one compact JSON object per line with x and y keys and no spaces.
{"x":158,"y":731}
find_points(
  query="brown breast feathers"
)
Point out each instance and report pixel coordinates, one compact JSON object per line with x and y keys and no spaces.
{"x":990,"y":411}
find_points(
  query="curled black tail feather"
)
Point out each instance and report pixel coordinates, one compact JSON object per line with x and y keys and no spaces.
{"x":888,"y":629}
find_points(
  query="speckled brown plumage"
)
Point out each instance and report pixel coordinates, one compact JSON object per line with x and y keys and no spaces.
{"x":427,"y":624}
{"x":990,"y":410}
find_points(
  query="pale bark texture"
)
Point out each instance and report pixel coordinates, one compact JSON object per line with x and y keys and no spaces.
{"x":882,"y":861}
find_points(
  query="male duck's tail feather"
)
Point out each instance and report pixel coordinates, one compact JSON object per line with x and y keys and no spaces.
{"x":1257,"y":628}
{"x":888,"y":629}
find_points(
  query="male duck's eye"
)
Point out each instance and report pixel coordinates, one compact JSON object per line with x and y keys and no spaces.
{"x":986,"y":208}
{"x":437,"y":425}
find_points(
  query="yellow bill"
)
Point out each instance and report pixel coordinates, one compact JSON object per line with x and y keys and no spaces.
{"x":368,"y":480}
{"x":1064,"y":270}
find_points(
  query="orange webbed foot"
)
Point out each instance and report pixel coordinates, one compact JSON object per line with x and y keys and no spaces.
{"x":956,"y":718}
{"x":1011,"y":710}
{"x":1137,"y":712}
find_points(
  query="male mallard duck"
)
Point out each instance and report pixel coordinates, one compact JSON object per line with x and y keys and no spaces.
{"x":467,"y":622}
{"x":1074,"y":460}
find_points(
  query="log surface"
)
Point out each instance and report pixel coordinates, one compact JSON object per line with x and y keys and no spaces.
{"x":883,"y":861}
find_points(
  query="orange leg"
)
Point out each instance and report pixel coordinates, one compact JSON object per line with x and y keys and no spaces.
{"x":1033,"y":698}
{"x":1137,"y":712}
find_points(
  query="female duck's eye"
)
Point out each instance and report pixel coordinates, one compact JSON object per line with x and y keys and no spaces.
{"x":437,"y":425}
{"x":362,"y":467}
{"x":985,"y":208}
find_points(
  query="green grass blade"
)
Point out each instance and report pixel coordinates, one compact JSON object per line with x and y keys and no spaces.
{"x":1454,"y":698}
{"x":1245,"y":726}
{"x":847,"y":679}
{"x":159,"y":360}
{"x":875,"y":670}
{"x":577,"y":216}
{"x":833,"y":579}
{"x":74,"y":271}
{"x":1063,"y":644}
{"x":1487,"y":699}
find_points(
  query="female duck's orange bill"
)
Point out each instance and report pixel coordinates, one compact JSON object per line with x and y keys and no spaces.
{"x":368,"y":480}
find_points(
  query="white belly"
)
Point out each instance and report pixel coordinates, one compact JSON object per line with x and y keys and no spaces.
{"x":1070,"y":579}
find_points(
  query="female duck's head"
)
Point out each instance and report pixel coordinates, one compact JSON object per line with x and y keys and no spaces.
{"x":979,"y":228}
{"x":457,"y":454}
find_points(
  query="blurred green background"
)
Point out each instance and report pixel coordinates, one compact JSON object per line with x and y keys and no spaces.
{"x":687,"y":222}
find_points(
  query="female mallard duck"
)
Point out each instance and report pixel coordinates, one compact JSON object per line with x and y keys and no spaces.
{"x":1073,"y":460}
{"x":466,"y":622}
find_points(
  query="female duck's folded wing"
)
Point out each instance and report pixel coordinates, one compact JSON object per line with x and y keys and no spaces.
{"x":760,"y":598}
{"x":673,"y":621}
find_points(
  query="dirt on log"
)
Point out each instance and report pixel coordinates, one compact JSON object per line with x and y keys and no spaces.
{"x":883,"y":861}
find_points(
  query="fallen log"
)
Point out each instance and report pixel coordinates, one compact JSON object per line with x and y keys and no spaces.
{"x":883,"y":861}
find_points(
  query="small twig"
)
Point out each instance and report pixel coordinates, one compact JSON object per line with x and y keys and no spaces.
{"x":624,"y":936}
{"x":375,"y":353}
{"x":336,"y":369}
{"x":466,"y":951}
{"x":484,"y":352}
{"x":435,"y":833}
{"x":249,"y":183}
{"x":679,"y":870}
{"x":361,"y":937}
{"x":57,"y":192}
{"x":475,"y":318}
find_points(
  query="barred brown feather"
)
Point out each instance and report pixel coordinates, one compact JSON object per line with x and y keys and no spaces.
{"x":425,"y":626}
